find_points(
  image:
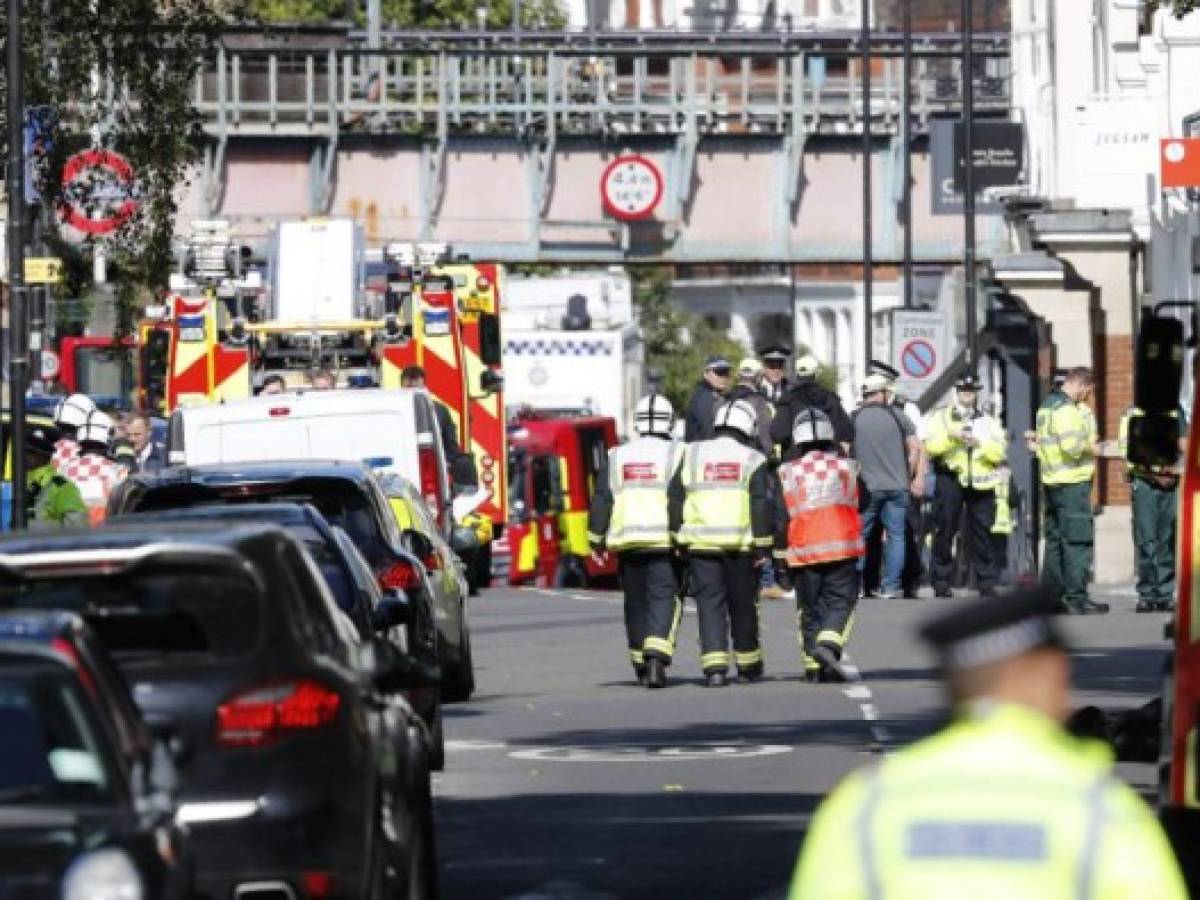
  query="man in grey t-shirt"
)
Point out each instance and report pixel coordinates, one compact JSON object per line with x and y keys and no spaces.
{"x":887,"y":450}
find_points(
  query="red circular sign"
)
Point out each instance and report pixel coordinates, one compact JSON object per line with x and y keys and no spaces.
{"x":918,"y":358}
{"x":631,"y":188}
{"x":99,"y":177}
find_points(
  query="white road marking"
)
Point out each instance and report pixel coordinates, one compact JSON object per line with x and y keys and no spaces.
{"x":455,"y":746}
{"x":858,"y":692}
{"x":650,"y":753}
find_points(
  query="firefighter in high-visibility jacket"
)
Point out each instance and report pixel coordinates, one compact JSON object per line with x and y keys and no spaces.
{"x":1002,"y":802}
{"x":628,"y":517}
{"x":818,"y":533}
{"x":1066,"y":443}
{"x":721,"y":509}
{"x":1155,"y":488}
{"x":966,"y":447}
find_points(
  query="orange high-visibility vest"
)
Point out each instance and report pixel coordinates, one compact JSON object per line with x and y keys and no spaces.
{"x":821,"y":493}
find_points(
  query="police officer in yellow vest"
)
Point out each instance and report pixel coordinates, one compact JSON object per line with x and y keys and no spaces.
{"x":966,"y":446}
{"x":629,"y":517}
{"x":1066,"y":443}
{"x":721,"y":505}
{"x":1000,"y":803}
{"x":1155,"y":499}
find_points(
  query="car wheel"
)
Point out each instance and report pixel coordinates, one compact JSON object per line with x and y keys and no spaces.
{"x":437,"y":742}
{"x":458,"y":683}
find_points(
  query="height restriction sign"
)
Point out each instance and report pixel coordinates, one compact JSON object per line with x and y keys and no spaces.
{"x":631,"y":188}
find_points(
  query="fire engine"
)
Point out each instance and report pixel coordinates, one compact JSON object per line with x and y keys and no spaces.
{"x":553,"y":464}
{"x":218,"y":330}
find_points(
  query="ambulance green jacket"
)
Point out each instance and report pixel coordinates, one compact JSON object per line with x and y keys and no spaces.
{"x":53,"y":501}
{"x":1066,"y":431}
{"x":1000,"y":804}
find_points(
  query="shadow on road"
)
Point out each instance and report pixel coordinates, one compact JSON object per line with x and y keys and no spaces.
{"x":664,"y":845}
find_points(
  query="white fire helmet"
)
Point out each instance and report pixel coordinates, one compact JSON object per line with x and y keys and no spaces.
{"x":654,"y":415}
{"x":72,"y":412}
{"x":812,"y":426}
{"x":738,"y":415}
{"x":97,"y":430}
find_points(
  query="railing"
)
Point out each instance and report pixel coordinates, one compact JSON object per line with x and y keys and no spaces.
{"x":655,"y":88}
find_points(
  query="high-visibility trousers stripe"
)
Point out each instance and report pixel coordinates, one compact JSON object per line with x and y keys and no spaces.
{"x":718,"y":659}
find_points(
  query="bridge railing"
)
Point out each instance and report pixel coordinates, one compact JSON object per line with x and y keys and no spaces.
{"x":711,"y":89}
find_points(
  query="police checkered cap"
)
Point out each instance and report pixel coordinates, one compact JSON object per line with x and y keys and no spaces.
{"x":72,"y":411}
{"x":96,"y":430}
{"x":991,"y":629}
{"x":811,"y":426}
{"x":654,"y":415}
{"x":738,"y":415}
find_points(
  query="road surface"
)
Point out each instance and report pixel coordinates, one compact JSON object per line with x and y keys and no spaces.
{"x":565,"y":779}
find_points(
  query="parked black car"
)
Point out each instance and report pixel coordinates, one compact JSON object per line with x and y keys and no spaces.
{"x":348,"y":495}
{"x":303,"y":770}
{"x":87,"y":803}
{"x":342,"y":566}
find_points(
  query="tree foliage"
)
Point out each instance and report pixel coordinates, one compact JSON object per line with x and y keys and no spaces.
{"x":1178,"y":8}
{"x":676,"y":342}
{"x":415,"y":13}
{"x":119,"y":74}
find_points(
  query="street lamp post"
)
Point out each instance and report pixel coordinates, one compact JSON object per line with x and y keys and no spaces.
{"x":868,"y":300}
{"x":17,"y":358}
{"x":968,"y":186}
{"x":906,"y":137}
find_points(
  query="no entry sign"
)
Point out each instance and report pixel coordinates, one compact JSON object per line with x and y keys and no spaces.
{"x":920,"y":349}
{"x":98,"y":191}
{"x":631,"y":188}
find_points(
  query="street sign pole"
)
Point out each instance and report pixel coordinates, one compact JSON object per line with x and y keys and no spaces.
{"x":17,"y":358}
{"x":968,"y":127}
{"x":868,"y":300}
{"x":906,"y":137}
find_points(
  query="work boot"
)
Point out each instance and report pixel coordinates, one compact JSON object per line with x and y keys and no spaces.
{"x":831,"y":665}
{"x":812,"y":676}
{"x":1145,"y":606}
{"x":1165,"y":605}
{"x":640,"y":672}
{"x":715,"y":679}
{"x":656,"y":673}
{"x":1088,"y":607}
{"x":751,"y":673}
{"x":942,"y":591}
{"x":773,"y":592}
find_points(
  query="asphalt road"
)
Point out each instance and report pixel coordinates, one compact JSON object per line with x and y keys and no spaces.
{"x":565,"y":779}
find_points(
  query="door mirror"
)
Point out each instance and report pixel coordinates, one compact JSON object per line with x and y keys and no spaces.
{"x":393,"y":609}
{"x":490,"y":350}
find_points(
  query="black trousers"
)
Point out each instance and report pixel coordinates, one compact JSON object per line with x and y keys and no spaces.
{"x":951,"y":503}
{"x":725,"y":588}
{"x":826,"y":595}
{"x":652,"y":607}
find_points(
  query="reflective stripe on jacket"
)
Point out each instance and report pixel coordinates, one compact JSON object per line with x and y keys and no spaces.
{"x":976,"y":466}
{"x":638,"y":475}
{"x":716,"y":511}
{"x":1002,"y":803}
{"x":820,"y":491}
{"x":1003,"y":521}
{"x":1066,"y":433}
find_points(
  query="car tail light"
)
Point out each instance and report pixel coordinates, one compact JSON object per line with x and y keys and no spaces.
{"x":400,"y":576}
{"x":430,"y":481}
{"x":261,"y":715}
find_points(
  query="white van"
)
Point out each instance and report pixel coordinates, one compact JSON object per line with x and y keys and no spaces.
{"x":393,"y":431}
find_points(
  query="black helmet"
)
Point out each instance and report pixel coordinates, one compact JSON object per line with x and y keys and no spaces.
{"x":41,"y":438}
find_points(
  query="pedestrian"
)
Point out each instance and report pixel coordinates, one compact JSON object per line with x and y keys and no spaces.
{"x":889,"y":456}
{"x":629,"y":517}
{"x":51,"y":499}
{"x":807,"y":393}
{"x":322,"y":380}
{"x":1002,"y":802}
{"x":149,"y":455}
{"x":708,"y":394}
{"x":70,"y":414}
{"x":775,"y":380}
{"x":819,"y":534}
{"x":1155,"y":488}
{"x":272,"y":384}
{"x":967,"y":447}
{"x":92,"y":472}
{"x":464,"y":475}
{"x":748,"y":388}
{"x":721,"y":511}
{"x":1066,"y":445}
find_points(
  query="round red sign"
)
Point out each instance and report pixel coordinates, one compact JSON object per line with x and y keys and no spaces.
{"x":631,"y":188}
{"x":98,"y":188}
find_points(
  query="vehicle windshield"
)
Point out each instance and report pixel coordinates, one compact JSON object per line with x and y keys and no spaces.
{"x":165,"y":615}
{"x":52,"y":749}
